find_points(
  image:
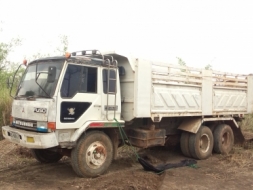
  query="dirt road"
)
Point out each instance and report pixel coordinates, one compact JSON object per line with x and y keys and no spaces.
{"x":18,"y":170}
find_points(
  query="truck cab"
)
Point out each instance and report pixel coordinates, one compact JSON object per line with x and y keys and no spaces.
{"x":60,"y":98}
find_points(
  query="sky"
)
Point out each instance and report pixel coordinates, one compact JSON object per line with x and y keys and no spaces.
{"x":200,"y":32}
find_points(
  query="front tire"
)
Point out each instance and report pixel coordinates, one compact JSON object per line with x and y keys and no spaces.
{"x":201,"y":143}
{"x":46,"y":155}
{"x":93,"y":154}
{"x":223,"y":139}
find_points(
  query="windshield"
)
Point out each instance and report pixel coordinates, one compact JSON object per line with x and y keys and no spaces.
{"x":40,"y":85}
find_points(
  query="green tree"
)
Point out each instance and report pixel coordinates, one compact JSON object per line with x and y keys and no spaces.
{"x":181,"y":63}
{"x":5,"y":49}
{"x":208,"y":67}
{"x":60,"y":50}
{"x":5,"y":72}
{"x":64,"y":43}
{"x":38,"y":55}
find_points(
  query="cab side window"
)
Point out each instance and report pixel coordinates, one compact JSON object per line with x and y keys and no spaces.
{"x":79,"y":79}
{"x":111,"y":79}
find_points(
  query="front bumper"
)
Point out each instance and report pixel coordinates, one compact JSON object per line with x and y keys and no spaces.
{"x":30,"y":139}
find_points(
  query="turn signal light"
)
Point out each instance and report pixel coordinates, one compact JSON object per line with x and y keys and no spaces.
{"x":4,"y":133}
{"x":11,"y":120}
{"x":25,"y":62}
{"x":67,"y":55}
{"x":51,"y":125}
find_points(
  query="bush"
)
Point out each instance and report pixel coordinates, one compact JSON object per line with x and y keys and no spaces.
{"x":247,"y":123}
{"x":5,"y":103}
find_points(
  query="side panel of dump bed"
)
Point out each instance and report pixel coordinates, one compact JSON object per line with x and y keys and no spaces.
{"x":184,"y":91}
{"x":175,"y":92}
{"x":156,"y":90}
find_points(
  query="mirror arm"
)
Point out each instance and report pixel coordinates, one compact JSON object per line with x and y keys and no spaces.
{"x":14,"y":78}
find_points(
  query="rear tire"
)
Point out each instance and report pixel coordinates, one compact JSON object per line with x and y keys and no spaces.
{"x":93,"y":154}
{"x":46,"y":155}
{"x":184,"y":143}
{"x":201,"y":143}
{"x":223,"y":139}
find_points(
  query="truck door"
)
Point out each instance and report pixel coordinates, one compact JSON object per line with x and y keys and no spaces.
{"x":79,"y":98}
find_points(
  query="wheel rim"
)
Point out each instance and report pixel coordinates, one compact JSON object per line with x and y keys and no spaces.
{"x":204,"y":144}
{"x":96,"y":155}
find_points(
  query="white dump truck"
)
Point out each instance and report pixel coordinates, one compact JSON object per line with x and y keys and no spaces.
{"x":74,"y":105}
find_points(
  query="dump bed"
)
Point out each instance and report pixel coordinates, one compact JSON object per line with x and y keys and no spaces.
{"x":156,"y":90}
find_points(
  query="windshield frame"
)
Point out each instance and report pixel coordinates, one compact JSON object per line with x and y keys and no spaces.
{"x":31,"y":74}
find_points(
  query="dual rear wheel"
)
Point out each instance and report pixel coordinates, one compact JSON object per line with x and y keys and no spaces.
{"x":201,"y":144}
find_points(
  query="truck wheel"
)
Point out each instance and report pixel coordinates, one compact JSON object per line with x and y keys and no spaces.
{"x":201,"y":143}
{"x":93,"y":154}
{"x":223,"y":139}
{"x":184,"y":143}
{"x":46,"y":156}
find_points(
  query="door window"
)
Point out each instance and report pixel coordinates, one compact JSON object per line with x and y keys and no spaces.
{"x":79,"y":79}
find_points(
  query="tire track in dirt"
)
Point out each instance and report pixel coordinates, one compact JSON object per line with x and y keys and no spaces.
{"x":13,"y":172}
{"x":6,"y":147}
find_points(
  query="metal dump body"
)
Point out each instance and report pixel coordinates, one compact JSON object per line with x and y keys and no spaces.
{"x":156,"y":90}
{"x":185,"y":91}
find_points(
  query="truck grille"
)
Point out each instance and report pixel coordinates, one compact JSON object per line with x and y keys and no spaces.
{"x":24,"y":124}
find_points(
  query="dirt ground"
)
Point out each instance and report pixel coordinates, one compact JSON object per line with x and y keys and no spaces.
{"x":18,"y":170}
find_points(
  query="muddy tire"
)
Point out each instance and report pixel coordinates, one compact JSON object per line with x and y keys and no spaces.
{"x":184,"y":143}
{"x":223,"y":139}
{"x":201,"y":143}
{"x":46,"y":156}
{"x":93,"y":154}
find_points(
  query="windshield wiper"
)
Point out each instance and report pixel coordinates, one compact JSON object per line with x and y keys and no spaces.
{"x":36,"y":79}
{"x":42,"y":96}
{"x":31,"y":97}
{"x":21,"y":96}
{"x":36,"y":96}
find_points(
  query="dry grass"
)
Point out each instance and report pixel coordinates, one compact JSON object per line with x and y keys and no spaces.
{"x":238,"y":162}
{"x":247,"y":123}
{"x":241,"y":155}
{"x":128,"y":152}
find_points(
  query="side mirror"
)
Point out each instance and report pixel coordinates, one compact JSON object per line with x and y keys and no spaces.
{"x":122,"y":71}
{"x":51,"y":74}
